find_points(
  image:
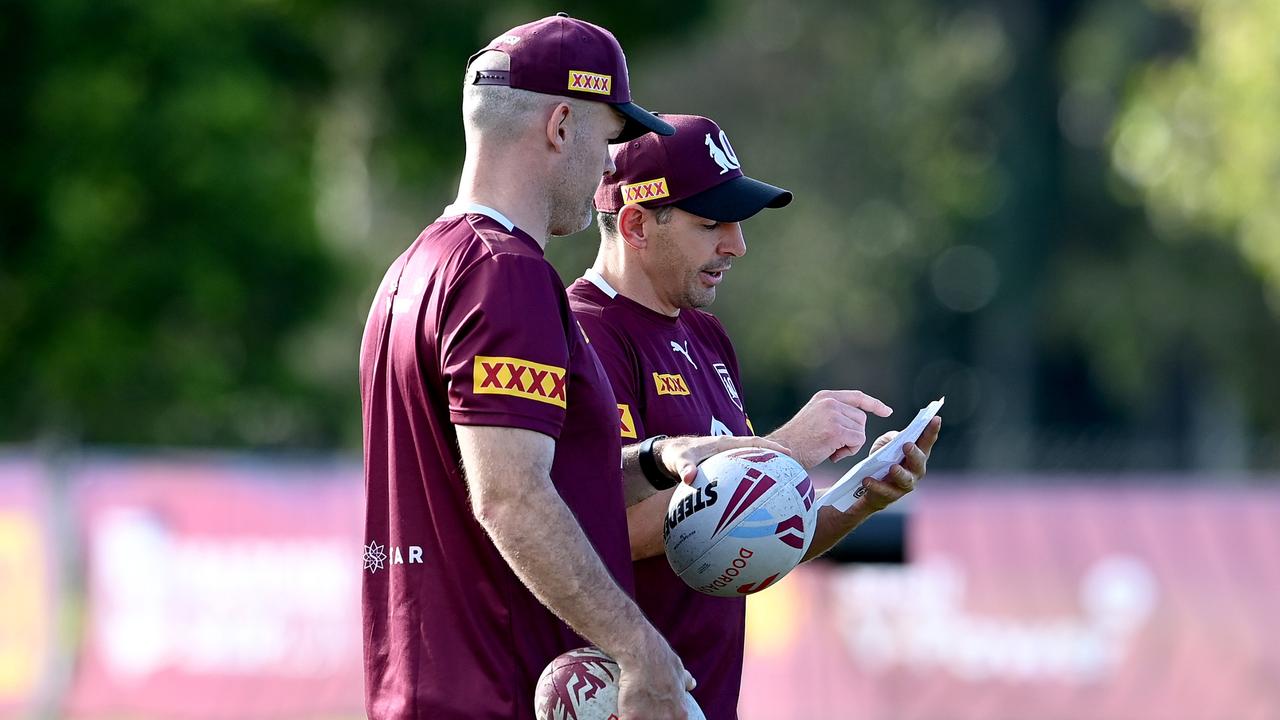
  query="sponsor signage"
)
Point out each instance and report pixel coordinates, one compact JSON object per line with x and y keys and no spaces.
{"x":628,"y":422}
{"x":519,"y":378}
{"x":670,"y":384}
{"x":584,"y":81}
{"x":645,"y":190}
{"x":220,"y":590}
{"x":27,"y":586}
{"x":1049,"y":601}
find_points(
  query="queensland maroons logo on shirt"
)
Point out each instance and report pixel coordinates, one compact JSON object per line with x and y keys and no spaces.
{"x":727,"y":380}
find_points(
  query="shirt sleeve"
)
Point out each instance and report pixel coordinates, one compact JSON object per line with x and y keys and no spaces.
{"x":504,"y":352}
{"x":622,"y":368}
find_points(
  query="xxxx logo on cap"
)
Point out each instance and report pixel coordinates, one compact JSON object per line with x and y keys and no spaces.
{"x":645,"y":190}
{"x":519,"y":378}
{"x":590,"y":82}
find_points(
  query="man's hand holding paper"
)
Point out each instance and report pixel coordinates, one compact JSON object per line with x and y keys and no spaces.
{"x":895,"y":464}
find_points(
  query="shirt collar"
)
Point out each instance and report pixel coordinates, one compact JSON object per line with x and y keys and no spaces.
{"x":464,"y":208}
{"x":598,"y":280}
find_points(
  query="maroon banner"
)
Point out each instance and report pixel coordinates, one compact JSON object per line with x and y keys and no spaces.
{"x":1036,"y":601}
{"x":219,"y":590}
{"x":27,"y":586}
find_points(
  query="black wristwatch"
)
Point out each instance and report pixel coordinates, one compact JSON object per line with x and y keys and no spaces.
{"x":653,"y":470}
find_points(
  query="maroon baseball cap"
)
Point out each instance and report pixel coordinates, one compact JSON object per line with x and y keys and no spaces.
{"x":559,"y":55}
{"x":696,"y":170}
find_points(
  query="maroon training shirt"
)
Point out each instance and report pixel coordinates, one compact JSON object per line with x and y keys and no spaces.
{"x":674,"y":376}
{"x":471,"y":326}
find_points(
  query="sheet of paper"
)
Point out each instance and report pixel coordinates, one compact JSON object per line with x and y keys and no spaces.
{"x":849,"y":488}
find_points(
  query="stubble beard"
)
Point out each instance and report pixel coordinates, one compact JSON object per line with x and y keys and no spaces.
{"x":570,"y":214}
{"x":573,"y":195}
{"x":690,"y":293}
{"x":696,"y":296}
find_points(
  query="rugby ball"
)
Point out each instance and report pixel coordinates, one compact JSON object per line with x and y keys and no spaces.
{"x":582,"y":684}
{"x":743,"y":524}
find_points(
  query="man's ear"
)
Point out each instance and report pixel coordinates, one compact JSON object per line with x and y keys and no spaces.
{"x":558,"y":126}
{"x":633,"y":226}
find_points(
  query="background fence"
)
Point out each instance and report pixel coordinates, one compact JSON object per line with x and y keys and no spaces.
{"x":227,"y":587}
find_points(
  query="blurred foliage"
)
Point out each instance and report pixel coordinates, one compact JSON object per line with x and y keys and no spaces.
{"x":863,"y":111}
{"x":958,"y":229}
{"x":1198,"y":133}
{"x":1179,"y":331}
{"x":1009,"y":203}
{"x":156,"y":217}
{"x":1196,"y":137}
{"x":181,"y":259}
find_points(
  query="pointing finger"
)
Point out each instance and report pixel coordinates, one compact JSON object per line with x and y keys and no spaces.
{"x":863,"y":401}
{"x":854,"y":414}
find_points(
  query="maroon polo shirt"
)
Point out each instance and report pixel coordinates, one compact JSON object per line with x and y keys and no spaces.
{"x":471,"y":326}
{"x":674,"y":376}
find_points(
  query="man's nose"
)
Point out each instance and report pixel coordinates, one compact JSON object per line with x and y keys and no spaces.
{"x":732,"y":242}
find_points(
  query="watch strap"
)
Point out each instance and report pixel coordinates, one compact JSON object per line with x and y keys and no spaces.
{"x":653,"y":471}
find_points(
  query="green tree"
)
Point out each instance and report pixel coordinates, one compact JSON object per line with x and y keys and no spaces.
{"x":869,"y":113}
{"x":1179,"y":324}
{"x":1198,"y":133}
{"x":201,"y":196}
{"x":156,"y":216}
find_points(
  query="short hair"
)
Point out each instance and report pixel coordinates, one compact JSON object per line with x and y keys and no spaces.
{"x":504,"y":112}
{"x":496,"y":110}
{"x":608,"y":221}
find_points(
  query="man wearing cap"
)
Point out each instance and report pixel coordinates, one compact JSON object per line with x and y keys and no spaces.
{"x":669,"y":222}
{"x":494,"y":494}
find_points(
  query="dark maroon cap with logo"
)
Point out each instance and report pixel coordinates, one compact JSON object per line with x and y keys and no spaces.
{"x":696,"y":170}
{"x":559,"y":55}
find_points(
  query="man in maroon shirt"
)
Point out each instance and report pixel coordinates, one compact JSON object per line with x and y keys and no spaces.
{"x":669,"y":219}
{"x":495,"y":503}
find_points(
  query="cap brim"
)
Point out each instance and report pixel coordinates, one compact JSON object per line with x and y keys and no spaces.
{"x":735,"y":200}
{"x":639,"y":122}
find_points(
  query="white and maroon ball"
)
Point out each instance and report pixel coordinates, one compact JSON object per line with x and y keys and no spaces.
{"x":743,"y":524}
{"x":582,"y":684}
